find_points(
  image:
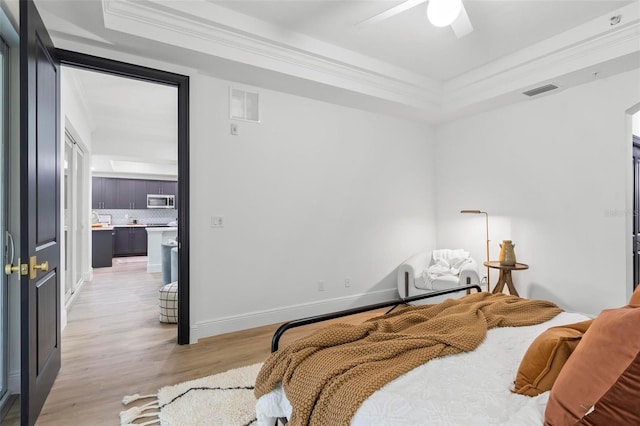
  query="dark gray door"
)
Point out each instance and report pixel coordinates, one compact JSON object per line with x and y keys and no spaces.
{"x":40,"y":212}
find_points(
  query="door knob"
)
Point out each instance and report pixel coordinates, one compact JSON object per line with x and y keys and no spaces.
{"x":21,"y":268}
{"x":33,"y":265}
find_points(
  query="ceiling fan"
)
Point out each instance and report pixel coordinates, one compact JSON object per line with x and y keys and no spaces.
{"x":439,"y":12}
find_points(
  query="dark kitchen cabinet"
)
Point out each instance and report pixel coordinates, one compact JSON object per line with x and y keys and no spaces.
{"x":140,"y":194}
{"x":130,"y":241}
{"x":131,"y":194}
{"x":163,"y":187}
{"x":102,"y":248}
{"x":139,"y":241}
{"x":121,"y":242}
{"x":115,"y":193}
{"x":104,"y":193}
{"x":154,"y":187}
{"x":171,"y":188}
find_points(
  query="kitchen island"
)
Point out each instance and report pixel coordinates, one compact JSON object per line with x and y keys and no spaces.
{"x":155,"y":237}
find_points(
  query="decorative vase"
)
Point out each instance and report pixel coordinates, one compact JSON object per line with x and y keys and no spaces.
{"x":507,"y":255}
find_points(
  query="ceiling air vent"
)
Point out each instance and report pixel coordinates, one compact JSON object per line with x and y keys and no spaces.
{"x":539,"y":90}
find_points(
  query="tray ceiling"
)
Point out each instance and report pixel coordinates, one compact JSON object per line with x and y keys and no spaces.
{"x":401,"y":66}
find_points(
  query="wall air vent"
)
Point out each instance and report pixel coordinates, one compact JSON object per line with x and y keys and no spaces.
{"x":244,"y":105}
{"x":539,"y":90}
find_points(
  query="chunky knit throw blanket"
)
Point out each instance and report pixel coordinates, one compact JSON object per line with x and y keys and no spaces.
{"x":327,"y":375}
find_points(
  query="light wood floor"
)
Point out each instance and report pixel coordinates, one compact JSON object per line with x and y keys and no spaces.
{"x":114,"y":345}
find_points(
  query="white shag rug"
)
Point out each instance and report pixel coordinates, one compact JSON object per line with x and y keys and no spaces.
{"x":224,"y":399}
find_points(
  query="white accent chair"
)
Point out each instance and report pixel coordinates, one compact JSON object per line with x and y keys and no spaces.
{"x":412,"y":282}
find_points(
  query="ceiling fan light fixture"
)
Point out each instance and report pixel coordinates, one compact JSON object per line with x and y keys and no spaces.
{"x":443,"y":12}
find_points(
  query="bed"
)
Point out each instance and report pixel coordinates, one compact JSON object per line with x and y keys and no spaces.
{"x":474,"y":387}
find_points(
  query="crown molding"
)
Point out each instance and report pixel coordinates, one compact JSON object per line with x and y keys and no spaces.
{"x":581,"y":48}
{"x":206,"y":28}
{"x":247,"y":40}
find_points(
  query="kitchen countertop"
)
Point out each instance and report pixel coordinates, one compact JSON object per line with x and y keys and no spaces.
{"x":137,"y":225}
{"x":102,"y":228}
{"x":162,"y":228}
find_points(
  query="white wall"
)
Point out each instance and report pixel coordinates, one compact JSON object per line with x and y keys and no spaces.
{"x":314,"y":192}
{"x":73,"y":110}
{"x":554,"y":175}
{"x":635,"y":126}
{"x":321,"y":192}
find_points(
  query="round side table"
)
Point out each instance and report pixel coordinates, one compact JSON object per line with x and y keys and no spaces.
{"x":505,"y":275}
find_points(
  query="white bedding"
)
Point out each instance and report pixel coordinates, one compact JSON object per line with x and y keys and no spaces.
{"x":472,"y":388}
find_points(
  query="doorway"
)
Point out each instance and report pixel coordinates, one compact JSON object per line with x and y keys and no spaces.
{"x":93,"y":63}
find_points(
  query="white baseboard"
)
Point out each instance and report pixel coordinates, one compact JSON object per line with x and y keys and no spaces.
{"x":229,"y":324}
{"x":67,"y":305}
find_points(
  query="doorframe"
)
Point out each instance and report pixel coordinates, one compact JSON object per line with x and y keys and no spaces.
{"x":5,"y":193}
{"x":636,"y":212}
{"x":181,"y":82}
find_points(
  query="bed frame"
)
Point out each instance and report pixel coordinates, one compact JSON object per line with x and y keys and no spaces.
{"x":332,"y":315}
{"x":393,"y":303}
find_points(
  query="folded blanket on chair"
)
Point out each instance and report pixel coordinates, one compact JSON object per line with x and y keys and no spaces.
{"x":445,"y":263}
{"x":327,"y":375}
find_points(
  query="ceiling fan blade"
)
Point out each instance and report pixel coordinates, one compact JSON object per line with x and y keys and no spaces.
{"x":392,"y":12}
{"x":462,"y":25}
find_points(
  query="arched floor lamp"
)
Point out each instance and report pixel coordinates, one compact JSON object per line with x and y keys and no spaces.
{"x":486,"y":221}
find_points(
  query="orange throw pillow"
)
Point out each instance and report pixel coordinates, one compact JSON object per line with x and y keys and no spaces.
{"x":546,"y":356}
{"x":635,"y":297}
{"x":600,"y":382}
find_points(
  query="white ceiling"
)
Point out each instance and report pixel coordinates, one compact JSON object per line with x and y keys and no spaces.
{"x":134,"y":123}
{"x":409,"y":41}
{"x":401,"y":66}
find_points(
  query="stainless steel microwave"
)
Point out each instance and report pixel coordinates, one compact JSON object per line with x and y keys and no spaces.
{"x":161,"y":201}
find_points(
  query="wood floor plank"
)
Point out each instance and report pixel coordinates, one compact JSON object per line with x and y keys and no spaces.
{"x":114,"y":345}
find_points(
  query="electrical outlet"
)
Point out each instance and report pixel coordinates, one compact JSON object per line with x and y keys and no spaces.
{"x":234,"y":129}
{"x":217,"y":222}
{"x":347,"y":282}
{"x":484,"y":282}
{"x":320,"y":285}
